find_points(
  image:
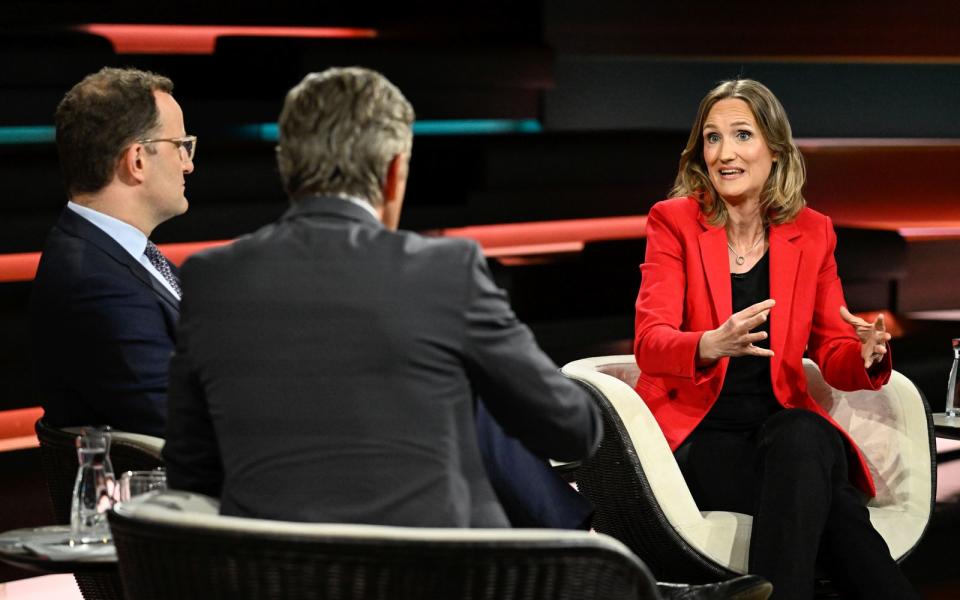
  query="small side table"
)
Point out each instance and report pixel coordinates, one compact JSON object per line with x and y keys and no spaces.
{"x":946,"y":427}
{"x":45,"y":550}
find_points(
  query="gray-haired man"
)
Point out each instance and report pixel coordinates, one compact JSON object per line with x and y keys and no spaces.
{"x":328,"y":364}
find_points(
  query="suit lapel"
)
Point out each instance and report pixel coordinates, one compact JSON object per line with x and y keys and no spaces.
{"x":74,"y":224}
{"x":713,"y":254}
{"x":145,"y":276}
{"x":784,"y":268}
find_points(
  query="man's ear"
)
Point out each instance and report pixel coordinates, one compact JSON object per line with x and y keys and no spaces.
{"x":394,"y":188}
{"x":130,"y":167}
{"x":395,"y":184}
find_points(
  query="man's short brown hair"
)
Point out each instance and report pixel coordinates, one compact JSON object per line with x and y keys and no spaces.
{"x":339,"y":130}
{"x":98,"y":118}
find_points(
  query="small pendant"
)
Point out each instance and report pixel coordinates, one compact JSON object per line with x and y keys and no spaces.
{"x":740,"y":260}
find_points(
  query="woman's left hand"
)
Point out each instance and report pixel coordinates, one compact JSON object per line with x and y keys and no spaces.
{"x":873,"y":337}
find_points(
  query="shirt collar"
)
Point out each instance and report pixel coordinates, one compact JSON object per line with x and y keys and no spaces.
{"x":129,"y":237}
{"x":361,"y":203}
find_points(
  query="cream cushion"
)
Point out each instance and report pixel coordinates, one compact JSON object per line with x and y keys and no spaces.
{"x":890,"y":426}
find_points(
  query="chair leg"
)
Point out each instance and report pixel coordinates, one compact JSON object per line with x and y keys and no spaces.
{"x":100,"y":586}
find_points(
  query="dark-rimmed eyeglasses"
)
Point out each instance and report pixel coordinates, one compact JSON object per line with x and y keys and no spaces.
{"x":187,"y":143}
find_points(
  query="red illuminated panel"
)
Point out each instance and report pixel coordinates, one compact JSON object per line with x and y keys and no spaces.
{"x":945,"y":231}
{"x":177,"y":253}
{"x":906,"y":185}
{"x":16,"y":428}
{"x":508,"y":239}
{"x":202,"y":39}
{"x":519,"y":251}
{"x":501,"y":240}
{"x":544,"y":237}
{"x":18,"y":267}
{"x":23,"y":267}
{"x":19,"y":422}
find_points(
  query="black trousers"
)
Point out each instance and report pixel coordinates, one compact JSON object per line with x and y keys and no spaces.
{"x":791,"y":475}
{"x":531,"y":493}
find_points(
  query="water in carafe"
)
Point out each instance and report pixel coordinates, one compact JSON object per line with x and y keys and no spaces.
{"x":94,"y":488}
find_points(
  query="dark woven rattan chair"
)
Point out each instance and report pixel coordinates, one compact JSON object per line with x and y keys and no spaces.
{"x":58,"y":455}
{"x":173,"y":545}
{"x":642,"y":499}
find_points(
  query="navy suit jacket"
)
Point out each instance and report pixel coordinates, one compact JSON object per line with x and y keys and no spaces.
{"x":102,"y":331}
{"x":326,"y":370}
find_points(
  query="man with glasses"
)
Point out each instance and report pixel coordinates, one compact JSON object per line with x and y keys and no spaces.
{"x":105,"y":301}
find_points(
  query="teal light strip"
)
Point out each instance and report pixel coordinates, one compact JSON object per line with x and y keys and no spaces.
{"x":39,"y":134}
{"x":268,"y":132}
{"x":476,"y":127}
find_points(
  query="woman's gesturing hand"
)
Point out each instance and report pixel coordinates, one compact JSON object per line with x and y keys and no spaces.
{"x":873,"y":336}
{"x":734,"y":337}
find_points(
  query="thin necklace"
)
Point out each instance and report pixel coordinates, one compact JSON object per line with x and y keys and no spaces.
{"x":740,"y":259}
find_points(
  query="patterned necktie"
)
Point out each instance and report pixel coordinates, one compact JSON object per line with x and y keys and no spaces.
{"x":159,"y":261}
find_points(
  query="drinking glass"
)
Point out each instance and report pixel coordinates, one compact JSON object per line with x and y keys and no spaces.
{"x":134,"y":483}
{"x":953,"y":410}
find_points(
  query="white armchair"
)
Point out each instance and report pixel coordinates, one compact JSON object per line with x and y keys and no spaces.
{"x":643,"y":500}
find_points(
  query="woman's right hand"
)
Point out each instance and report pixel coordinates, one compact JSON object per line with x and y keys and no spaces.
{"x":734,"y":337}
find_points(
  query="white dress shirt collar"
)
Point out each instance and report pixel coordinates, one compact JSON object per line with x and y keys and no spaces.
{"x":129,"y":237}
{"x":361,"y":203}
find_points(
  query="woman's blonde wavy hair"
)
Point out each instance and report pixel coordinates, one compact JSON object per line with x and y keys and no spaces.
{"x":781,"y":198}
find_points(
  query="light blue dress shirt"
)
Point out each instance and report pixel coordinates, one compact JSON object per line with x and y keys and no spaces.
{"x":129,"y":237}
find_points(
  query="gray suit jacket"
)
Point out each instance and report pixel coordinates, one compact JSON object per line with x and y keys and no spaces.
{"x":327,"y":369}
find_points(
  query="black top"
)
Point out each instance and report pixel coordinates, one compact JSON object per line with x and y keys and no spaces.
{"x":747,"y":399}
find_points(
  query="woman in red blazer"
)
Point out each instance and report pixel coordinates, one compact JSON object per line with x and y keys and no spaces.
{"x":739,"y":280}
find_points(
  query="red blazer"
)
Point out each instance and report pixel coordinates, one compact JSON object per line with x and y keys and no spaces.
{"x":685,"y":290}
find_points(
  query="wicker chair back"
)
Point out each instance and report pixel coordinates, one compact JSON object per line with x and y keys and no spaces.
{"x":231,"y":558}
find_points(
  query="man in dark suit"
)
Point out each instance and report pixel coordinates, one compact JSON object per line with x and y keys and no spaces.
{"x":105,"y":302}
{"x":332,"y":368}
{"x":328,"y":365}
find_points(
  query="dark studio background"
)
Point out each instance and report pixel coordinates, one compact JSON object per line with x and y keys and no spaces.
{"x":872,"y":90}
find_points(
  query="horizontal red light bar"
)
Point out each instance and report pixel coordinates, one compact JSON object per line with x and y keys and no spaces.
{"x":179,"y":252}
{"x":16,"y":428}
{"x":544,"y":237}
{"x":807,"y":144}
{"x":946,"y":231}
{"x":507,"y":239}
{"x":19,"y":422}
{"x":920,"y":231}
{"x":18,"y":267}
{"x":500,"y":240}
{"x":202,"y":39}
{"x":23,"y":266}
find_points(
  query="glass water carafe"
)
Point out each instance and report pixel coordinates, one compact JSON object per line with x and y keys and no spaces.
{"x":953,"y":410}
{"x":93,"y":491}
